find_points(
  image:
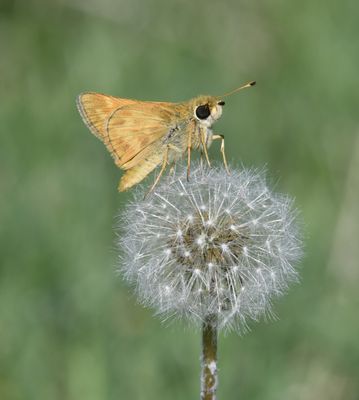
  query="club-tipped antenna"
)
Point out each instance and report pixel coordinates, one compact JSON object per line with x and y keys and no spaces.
{"x":247,"y":85}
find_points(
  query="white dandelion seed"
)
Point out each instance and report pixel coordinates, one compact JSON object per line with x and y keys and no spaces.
{"x":238,"y":245}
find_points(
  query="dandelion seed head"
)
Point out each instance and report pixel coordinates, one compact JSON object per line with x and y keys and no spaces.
{"x":219,"y":244}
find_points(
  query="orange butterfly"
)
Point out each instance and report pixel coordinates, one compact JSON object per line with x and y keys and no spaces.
{"x":140,"y":135}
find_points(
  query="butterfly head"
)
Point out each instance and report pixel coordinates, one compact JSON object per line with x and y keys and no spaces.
{"x":207,"y":109}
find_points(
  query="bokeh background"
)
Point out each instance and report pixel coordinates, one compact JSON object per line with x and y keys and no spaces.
{"x":69,"y":327}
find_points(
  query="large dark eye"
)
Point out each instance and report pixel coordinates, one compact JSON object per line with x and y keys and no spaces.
{"x":203,"y":111}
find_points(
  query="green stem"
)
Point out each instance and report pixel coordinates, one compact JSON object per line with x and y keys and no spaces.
{"x":209,"y":378}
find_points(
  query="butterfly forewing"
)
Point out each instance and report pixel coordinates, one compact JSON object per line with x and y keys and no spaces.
{"x":133,"y":131}
{"x":95,"y":108}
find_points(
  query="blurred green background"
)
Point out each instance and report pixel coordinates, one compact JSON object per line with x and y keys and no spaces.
{"x":69,"y":327}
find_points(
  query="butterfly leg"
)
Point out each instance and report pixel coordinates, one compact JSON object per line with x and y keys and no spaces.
{"x":189,"y":145}
{"x":173,"y":163}
{"x":204,"y":146}
{"x":221,"y":137}
{"x":172,"y":169}
{"x":179,"y":151}
{"x":164,"y":164}
{"x":201,"y":158}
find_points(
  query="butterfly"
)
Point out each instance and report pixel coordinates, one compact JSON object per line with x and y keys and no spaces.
{"x":141,"y":135}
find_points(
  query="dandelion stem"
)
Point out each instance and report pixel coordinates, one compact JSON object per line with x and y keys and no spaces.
{"x":209,"y":359}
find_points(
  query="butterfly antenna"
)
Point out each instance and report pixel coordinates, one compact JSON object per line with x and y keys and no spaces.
{"x":247,"y":85}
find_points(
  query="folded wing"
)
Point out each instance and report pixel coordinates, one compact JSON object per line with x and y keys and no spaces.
{"x":130,"y":129}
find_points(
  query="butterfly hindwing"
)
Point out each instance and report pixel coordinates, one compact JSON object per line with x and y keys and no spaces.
{"x":132,"y":129}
